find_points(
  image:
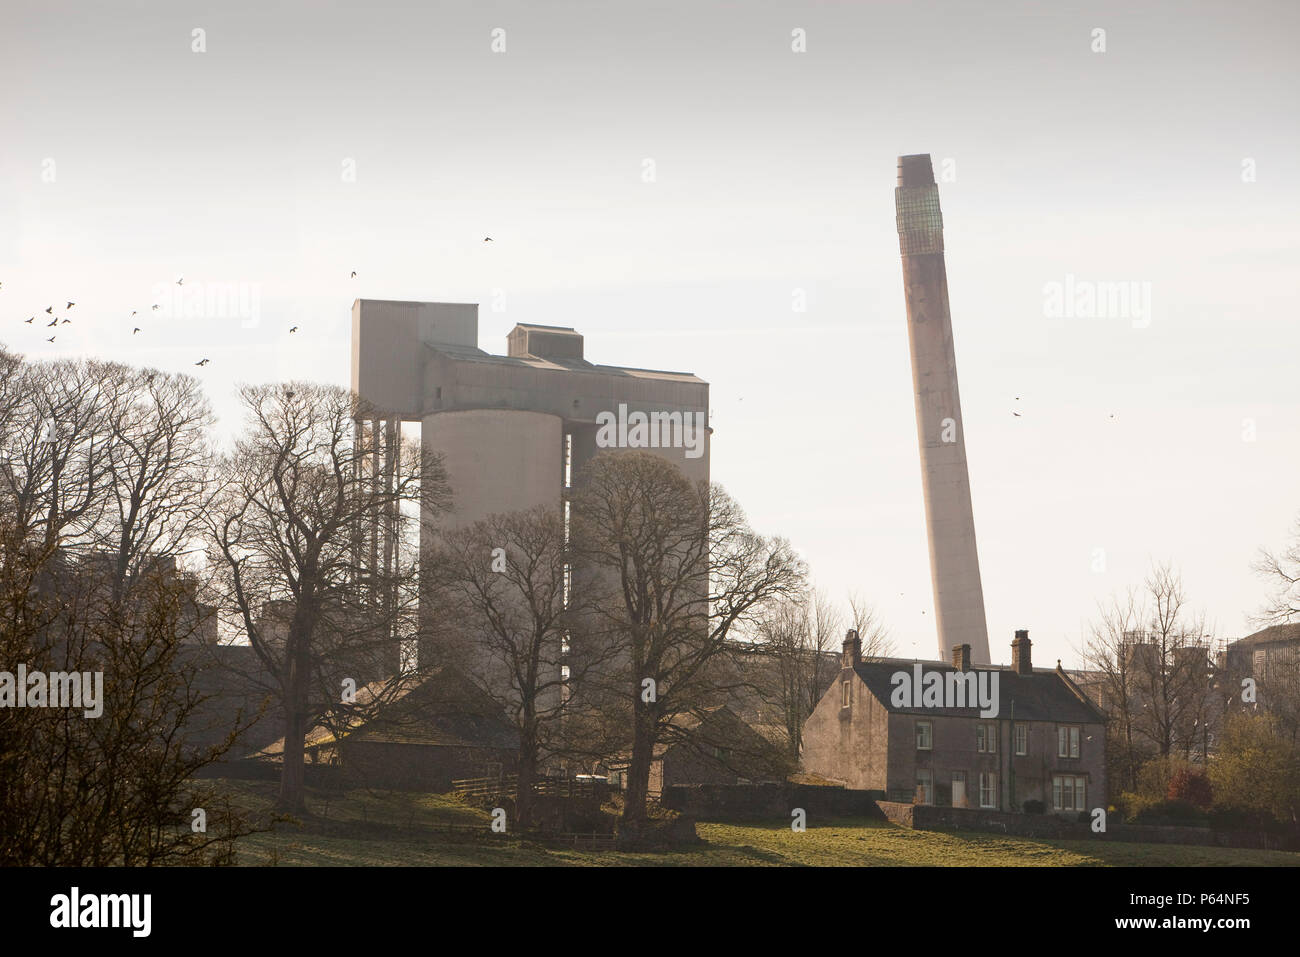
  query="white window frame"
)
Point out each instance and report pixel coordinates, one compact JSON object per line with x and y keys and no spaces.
{"x":1077,"y":790}
{"x":1068,"y":740}
{"x":846,"y":700}
{"x":928,"y":736}
{"x":1021,"y":734}
{"x":986,"y":738}
{"x":989,"y":786}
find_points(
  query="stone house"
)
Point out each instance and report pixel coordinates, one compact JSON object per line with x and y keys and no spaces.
{"x":415,"y":732}
{"x":991,"y":737}
{"x":708,"y":746}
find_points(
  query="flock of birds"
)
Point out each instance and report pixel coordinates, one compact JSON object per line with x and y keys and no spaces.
{"x":135,"y":331}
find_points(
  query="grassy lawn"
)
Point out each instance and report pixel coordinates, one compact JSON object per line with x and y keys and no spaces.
{"x":389,"y":828}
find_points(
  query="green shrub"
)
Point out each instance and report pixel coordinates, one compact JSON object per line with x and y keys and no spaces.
{"x":1235,"y":818}
{"x":1179,"y":813}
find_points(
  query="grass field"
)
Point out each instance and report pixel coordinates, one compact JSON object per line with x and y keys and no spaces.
{"x":382,"y":828}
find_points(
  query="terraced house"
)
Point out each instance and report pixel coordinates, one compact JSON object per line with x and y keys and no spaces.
{"x":1037,"y":738}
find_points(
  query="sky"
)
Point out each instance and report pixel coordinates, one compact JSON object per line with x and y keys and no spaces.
{"x":676,"y":180}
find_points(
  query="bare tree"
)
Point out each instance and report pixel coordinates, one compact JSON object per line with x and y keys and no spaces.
{"x":679,"y":568}
{"x":1108,"y":651}
{"x":1282,"y":570}
{"x":865,"y":620}
{"x":110,"y":782}
{"x":290,"y":575}
{"x":158,"y":460}
{"x":798,"y":638}
{"x":58,"y":450}
{"x":1152,"y":657}
{"x":498,"y":590}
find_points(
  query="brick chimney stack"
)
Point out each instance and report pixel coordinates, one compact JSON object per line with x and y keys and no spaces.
{"x":961,"y":657}
{"x":1021,"y":663}
{"x":852,"y":648}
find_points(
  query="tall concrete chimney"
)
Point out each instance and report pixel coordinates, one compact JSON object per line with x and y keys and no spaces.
{"x":954,"y":562}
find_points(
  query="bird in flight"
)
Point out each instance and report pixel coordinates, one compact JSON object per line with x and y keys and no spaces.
{"x":66,"y":321}
{"x":50,"y":310}
{"x":155,"y":307}
{"x":30,"y":321}
{"x":294,"y":329}
{"x":70,"y":305}
{"x":202,"y":362}
{"x":354,"y":274}
{"x":487,"y":239}
{"x":1016,"y":414}
{"x":135,"y":330}
{"x":180,"y":281}
{"x":53,"y":322}
{"x":133,"y":313}
{"x":50,"y":339}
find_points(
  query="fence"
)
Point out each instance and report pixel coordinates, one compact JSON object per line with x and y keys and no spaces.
{"x":479,"y":790}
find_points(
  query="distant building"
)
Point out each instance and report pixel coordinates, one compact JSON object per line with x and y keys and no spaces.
{"x":415,"y":733}
{"x":1046,"y":741}
{"x":709,"y":746}
{"x":1268,"y":652}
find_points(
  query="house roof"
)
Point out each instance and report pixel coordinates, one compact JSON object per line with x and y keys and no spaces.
{"x":1045,"y":695}
{"x":441,"y":709}
{"x":704,"y":727}
{"x":1270,"y":634}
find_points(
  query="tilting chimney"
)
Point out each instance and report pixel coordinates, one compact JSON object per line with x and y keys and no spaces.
{"x":1021,"y":663}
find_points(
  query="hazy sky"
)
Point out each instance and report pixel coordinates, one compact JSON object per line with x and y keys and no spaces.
{"x":129,"y":160}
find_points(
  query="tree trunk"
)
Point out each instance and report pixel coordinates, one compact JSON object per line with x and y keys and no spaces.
{"x":527,"y":772}
{"x":295,"y":730}
{"x":638,"y":772}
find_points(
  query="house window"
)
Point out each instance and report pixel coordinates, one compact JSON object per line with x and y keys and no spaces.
{"x":988,"y":789}
{"x":1067,"y":741}
{"x":959,"y":789}
{"x":986,"y":738}
{"x":1022,"y":739}
{"x":847,"y":697}
{"x":924,"y":786}
{"x":924,"y":736}
{"x":1069,"y":793}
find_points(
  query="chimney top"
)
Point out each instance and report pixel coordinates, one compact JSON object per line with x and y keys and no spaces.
{"x":961,"y":657}
{"x":915,"y":170}
{"x":852,"y":648}
{"x":1021,"y":661}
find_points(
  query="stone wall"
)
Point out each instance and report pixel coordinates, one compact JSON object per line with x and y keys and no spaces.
{"x":926,"y":817}
{"x":740,"y":802}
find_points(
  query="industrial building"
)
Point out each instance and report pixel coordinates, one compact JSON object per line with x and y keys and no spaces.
{"x":514,"y":430}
